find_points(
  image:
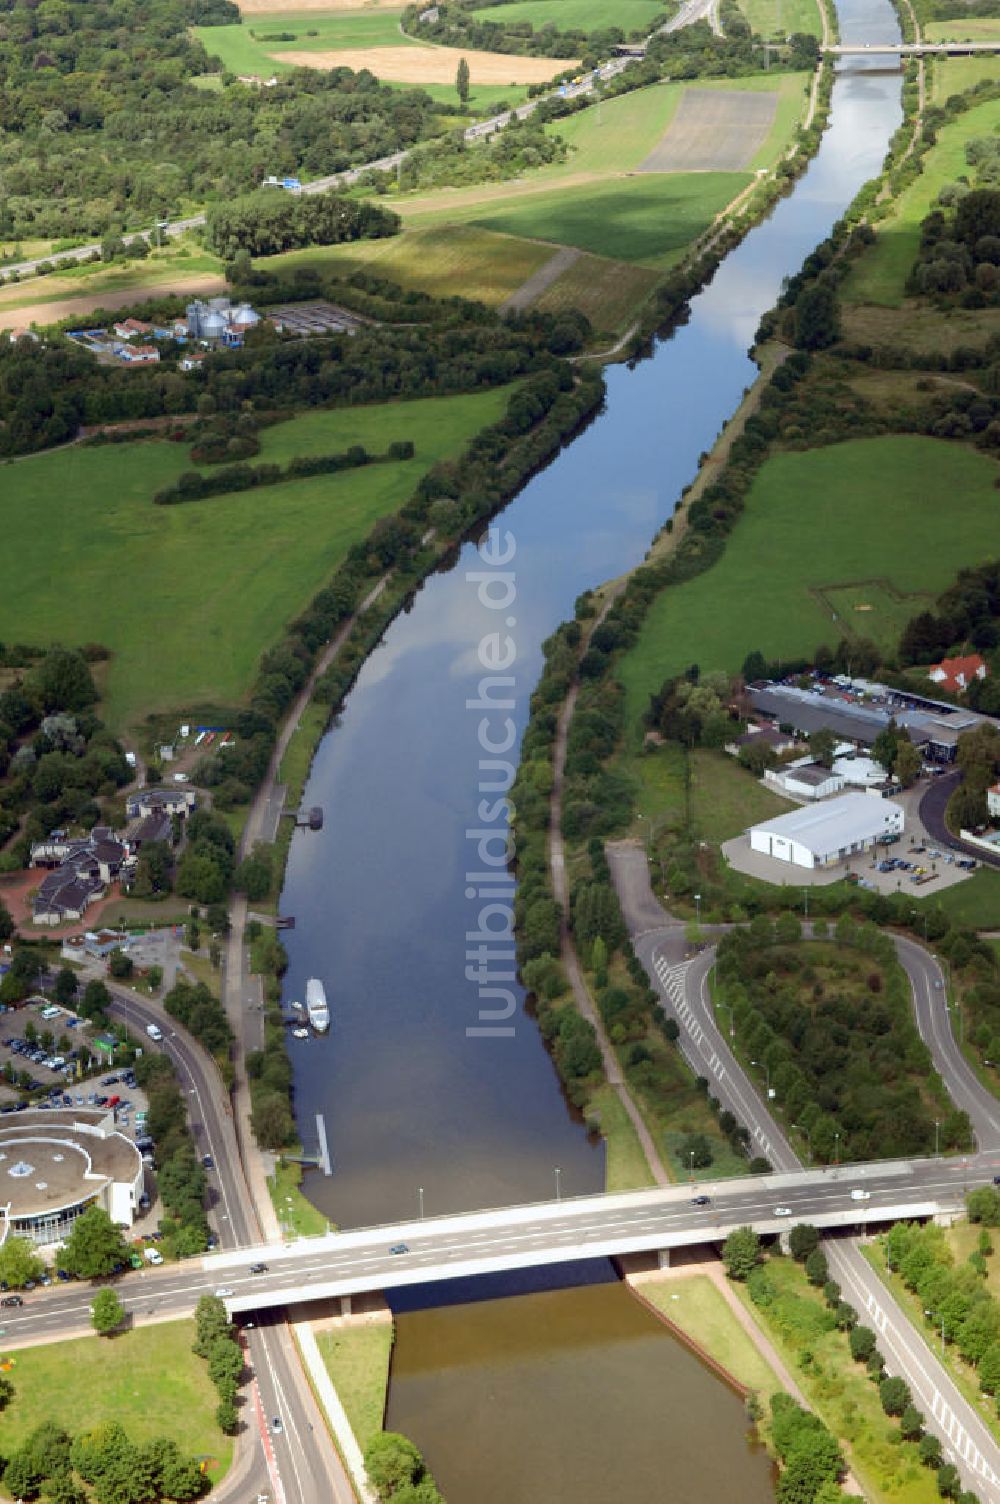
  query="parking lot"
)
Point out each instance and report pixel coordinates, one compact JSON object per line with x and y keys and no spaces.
{"x":42,"y":1042}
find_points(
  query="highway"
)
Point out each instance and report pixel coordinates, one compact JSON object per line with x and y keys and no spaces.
{"x":683,"y":987}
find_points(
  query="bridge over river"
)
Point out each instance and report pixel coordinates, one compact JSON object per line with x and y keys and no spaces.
{"x":489,"y":1242}
{"x":910,"y":49}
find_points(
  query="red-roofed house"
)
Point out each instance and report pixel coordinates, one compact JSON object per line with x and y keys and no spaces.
{"x":129,"y":327}
{"x":957,"y":674}
{"x":139,"y":355}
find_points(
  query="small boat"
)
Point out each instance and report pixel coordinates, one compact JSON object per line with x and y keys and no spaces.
{"x":297,"y":1007}
{"x":300,"y":1033}
{"x":316,"y":1005}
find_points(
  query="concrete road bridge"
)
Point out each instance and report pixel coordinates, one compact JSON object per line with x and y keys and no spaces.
{"x":909,"y":49}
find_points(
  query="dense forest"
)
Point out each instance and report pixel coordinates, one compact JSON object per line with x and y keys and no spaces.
{"x":102,"y":126}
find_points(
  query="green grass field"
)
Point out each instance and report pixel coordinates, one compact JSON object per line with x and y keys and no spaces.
{"x":812,"y":520}
{"x":649,"y":219}
{"x":963,"y":30}
{"x":725,"y":798}
{"x":880,"y":274}
{"x":975,"y":902}
{"x":357,"y":1360}
{"x":768,"y":17}
{"x":252,"y":48}
{"x":188,"y":597}
{"x":625,"y":1165}
{"x":149,"y":1380}
{"x":579,"y":15}
{"x":694,"y":1304}
{"x":954,"y":75}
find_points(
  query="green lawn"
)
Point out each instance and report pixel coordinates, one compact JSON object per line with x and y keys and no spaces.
{"x":963,"y":30}
{"x":626,"y":1167}
{"x":579,"y":15}
{"x":784,"y":17}
{"x":694,"y":1304}
{"x":188,"y":597}
{"x":725,"y":798}
{"x":149,"y":1380}
{"x":357,"y":1360}
{"x":920,"y":507}
{"x":298,"y":1217}
{"x":975,"y":903}
{"x":880,"y":274}
{"x":954,"y":75}
{"x":252,"y":48}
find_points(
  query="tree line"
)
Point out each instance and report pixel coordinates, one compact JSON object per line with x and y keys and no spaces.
{"x":193,"y":486}
{"x":270,"y":221}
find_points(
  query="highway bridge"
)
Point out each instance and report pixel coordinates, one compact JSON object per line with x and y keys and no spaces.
{"x":909,"y":49}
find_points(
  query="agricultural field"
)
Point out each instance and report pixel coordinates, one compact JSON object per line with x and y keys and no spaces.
{"x":151,"y":1383}
{"x":971,"y":29}
{"x":579,"y":15}
{"x":178,"y":269}
{"x":813,"y":520}
{"x":879,"y":276}
{"x":187,"y":597}
{"x":783,"y":17}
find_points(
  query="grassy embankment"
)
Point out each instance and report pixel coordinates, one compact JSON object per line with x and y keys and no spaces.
{"x":802,"y":1330}
{"x":630,"y":227}
{"x":188,"y":597}
{"x":150,"y":1381}
{"x":694,"y":1304}
{"x":953,"y":75}
{"x":357,"y":1360}
{"x":298,"y":1217}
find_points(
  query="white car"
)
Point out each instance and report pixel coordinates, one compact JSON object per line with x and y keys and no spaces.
{"x":782,"y":1211}
{"x":861,"y":1195}
{"x":224,"y":1292}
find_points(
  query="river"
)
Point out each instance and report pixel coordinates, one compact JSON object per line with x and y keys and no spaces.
{"x":411,"y":1100}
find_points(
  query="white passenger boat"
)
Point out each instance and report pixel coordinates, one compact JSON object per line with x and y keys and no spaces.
{"x":316,"y":1005}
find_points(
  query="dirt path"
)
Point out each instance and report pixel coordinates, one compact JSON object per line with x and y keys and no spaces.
{"x":540,"y":280}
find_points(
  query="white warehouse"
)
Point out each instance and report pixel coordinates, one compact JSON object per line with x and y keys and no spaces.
{"x":821,"y":834}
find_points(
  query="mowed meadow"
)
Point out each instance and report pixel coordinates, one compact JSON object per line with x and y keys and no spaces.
{"x":903,"y":512}
{"x":188,"y":597}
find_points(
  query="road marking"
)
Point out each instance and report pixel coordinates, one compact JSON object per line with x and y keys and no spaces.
{"x":270,"y":1458}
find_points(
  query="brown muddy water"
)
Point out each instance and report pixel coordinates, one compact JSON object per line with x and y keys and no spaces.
{"x":575,"y":1396}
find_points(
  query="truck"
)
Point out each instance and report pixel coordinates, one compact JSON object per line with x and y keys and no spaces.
{"x":155,"y":1032}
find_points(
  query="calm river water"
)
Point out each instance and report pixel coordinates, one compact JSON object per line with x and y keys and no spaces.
{"x":571,"y":1396}
{"x":410,"y":1100}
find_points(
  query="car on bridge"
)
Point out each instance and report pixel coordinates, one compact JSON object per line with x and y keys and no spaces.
{"x":701,"y":1201}
{"x":782,"y":1211}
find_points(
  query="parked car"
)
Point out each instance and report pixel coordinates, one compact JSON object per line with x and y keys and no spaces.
{"x":223,"y":1292}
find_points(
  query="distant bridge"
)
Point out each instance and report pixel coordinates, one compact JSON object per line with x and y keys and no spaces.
{"x":910,"y":49}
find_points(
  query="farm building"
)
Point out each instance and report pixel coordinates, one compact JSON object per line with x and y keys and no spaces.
{"x":822,"y":834}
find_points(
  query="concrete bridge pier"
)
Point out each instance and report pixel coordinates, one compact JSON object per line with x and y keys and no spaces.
{"x":663,"y":1258}
{"x":345,"y":1305}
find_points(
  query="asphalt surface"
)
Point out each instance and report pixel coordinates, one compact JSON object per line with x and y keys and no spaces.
{"x":682,"y":984}
{"x":932,"y":808}
{"x":298,"y":1464}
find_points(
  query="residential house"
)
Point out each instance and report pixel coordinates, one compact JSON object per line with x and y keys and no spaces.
{"x":65,"y":895}
{"x":149,"y":801}
{"x":156,"y":826}
{"x":956,"y":674}
{"x":762,"y":736}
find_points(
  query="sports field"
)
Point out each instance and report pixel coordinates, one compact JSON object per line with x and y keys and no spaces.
{"x":879,"y":276}
{"x":188,"y":597}
{"x":921,"y":507}
{"x":578,"y":15}
{"x":768,"y":17}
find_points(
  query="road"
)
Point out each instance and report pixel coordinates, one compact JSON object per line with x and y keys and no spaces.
{"x":683,"y":988}
{"x":932,"y":808}
{"x":298,"y":1465}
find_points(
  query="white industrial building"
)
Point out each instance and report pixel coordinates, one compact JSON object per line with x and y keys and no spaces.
{"x":805,"y":780}
{"x":820,"y":835}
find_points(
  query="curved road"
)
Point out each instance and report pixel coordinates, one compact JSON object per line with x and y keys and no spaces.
{"x":299,"y":1465}
{"x":683,"y":987}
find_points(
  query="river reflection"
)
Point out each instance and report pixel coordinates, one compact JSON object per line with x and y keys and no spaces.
{"x":380,"y":895}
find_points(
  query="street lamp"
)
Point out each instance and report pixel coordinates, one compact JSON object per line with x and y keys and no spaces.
{"x":420,"y":1193}
{"x":691,"y":1165}
{"x":763,"y":1065}
{"x":558,"y":1184}
{"x":697,"y":906}
{"x":836,"y":1146}
{"x":937,"y":1137}
{"x":934,"y":1316}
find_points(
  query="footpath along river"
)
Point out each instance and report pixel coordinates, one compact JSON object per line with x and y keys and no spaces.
{"x":573,"y":1395}
{"x":381,"y":897}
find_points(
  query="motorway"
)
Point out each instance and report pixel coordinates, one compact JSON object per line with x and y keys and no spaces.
{"x":682,"y":983}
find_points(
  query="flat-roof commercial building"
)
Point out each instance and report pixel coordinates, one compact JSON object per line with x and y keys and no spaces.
{"x":55,"y":1164}
{"x":822,"y":834}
